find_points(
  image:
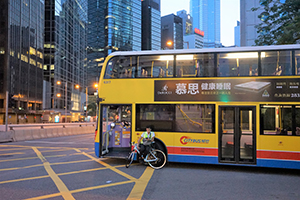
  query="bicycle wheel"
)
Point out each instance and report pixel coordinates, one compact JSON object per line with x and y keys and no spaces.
{"x":161,"y":159}
{"x":129,"y":159}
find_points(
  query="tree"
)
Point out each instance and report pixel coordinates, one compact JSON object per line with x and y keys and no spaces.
{"x":91,"y":109}
{"x":280,"y":22}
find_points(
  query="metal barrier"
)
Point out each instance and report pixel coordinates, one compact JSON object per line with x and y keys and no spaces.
{"x":37,"y":131}
{"x":63,"y":125}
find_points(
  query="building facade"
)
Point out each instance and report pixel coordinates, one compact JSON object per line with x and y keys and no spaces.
{"x":113,"y":26}
{"x":151,"y":25}
{"x":237,"y":35}
{"x":21,"y":60}
{"x":187,"y":22}
{"x":171,"y":32}
{"x":65,"y":58}
{"x":195,"y":40}
{"x":206,"y":17}
{"x":249,"y":19}
{"x":192,"y":38}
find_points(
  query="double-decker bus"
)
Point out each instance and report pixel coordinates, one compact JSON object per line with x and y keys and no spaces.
{"x":229,"y":106}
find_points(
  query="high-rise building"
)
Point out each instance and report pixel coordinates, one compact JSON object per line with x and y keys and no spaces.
{"x":237,"y":38}
{"x":21,"y":60}
{"x":151,"y":25}
{"x":249,"y":19}
{"x":192,"y":38}
{"x":171,"y":32}
{"x":65,"y":57}
{"x":195,"y":40}
{"x":206,"y":17}
{"x":113,"y":26}
{"x":187,"y":22}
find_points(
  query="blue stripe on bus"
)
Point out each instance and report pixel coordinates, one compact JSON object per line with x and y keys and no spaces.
{"x":193,"y":159}
{"x":278,"y":163}
{"x":214,"y":160}
{"x":97,"y":146}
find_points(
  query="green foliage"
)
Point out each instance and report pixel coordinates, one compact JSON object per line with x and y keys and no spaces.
{"x":92,"y":109}
{"x":280,"y":22}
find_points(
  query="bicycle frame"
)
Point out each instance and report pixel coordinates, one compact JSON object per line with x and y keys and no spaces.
{"x":152,"y":153}
{"x":135,"y":149}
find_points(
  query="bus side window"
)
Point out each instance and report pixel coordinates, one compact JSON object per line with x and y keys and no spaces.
{"x":144,"y":73}
{"x":297,"y":63}
{"x":161,"y":73}
{"x":276,"y":63}
{"x":159,"y":69}
{"x":129,"y":75}
{"x":124,"y":73}
{"x":204,"y":65}
{"x":125,"y":67}
{"x":179,"y":72}
{"x":186,"y":68}
{"x":146,"y":67}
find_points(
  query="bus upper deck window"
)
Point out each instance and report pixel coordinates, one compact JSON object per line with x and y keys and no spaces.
{"x":276,"y":63}
{"x":110,"y":71}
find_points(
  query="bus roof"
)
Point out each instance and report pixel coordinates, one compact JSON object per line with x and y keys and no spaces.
{"x":211,"y":50}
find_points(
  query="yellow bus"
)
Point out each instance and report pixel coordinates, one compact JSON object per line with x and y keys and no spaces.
{"x":229,"y":106}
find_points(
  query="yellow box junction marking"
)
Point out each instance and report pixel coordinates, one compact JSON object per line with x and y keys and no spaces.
{"x":110,"y":167}
{"x":58,"y":182}
{"x":136,"y":193}
{"x":6,"y":154}
{"x":140,"y":185}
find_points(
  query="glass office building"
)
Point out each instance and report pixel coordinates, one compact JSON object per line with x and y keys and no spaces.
{"x":206,"y":17}
{"x":65,"y":56}
{"x":187,"y":22}
{"x":171,"y":32}
{"x":151,"y":25}
{"x":21,"y":60}
{"x":113,"y":26}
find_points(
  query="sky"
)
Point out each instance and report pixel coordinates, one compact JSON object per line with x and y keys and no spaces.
{"x":230,"y":14}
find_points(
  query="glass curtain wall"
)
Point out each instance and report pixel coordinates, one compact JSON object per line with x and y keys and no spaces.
{"x":114,"y":25}
{"x":206,"y":17}
{"x":65,"y":52}
{"x":26,"y":57}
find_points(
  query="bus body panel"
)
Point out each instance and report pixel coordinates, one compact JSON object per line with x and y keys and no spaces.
{"x":270,"y":149}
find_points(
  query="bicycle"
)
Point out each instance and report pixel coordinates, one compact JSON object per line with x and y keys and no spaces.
{"x":155,"y":158}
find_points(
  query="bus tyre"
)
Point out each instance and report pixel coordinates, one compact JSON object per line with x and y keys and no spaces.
{"x":159,"y":146}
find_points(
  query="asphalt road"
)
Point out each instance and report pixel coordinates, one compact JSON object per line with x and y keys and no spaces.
{"x":66,"y":168}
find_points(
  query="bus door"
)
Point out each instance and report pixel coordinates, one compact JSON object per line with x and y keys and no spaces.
{"x":237,"y":141}
{"x":116,"y":128}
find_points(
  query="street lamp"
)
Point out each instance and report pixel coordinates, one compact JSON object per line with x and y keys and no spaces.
{"x":95,"y":85}
{"x":66,"y":98}
{"x":169,"y":44}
